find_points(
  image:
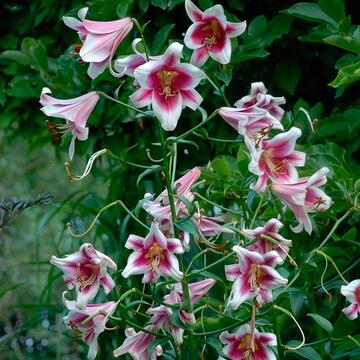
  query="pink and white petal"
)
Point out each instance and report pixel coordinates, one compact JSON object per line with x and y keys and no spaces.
{"x":155,"y":236}
{"x":150,"y":277}
{"x":266,"y":354}
{"x":232,"y":272}
{"x":216,"y":11}
{"x":241,"y":292}
{"x":268,"y":339}
{"x":167,"y":111}
{"x":134,"y":242}
{"x":260,"y":185}
{"x":172,"y":54}
{"x":175,"y":246}
{"x":224,"y":55}
{"x":191,"y":98}
{"x":146,"y":74}
{"x":73,"y":23}
{"x":106,"y":27}
{"x":84,"y":296}
{"x":199,"y":56}
{"x":187,"y":318}
{"x":194,"y":13}
{"x":128,"y":64}
{"x":312,"y":197}
{"x":136,"y":264}
{"x":169,"y":267}
{"x":283,"y":144}
{"x":194,"y":36}
{"x":264,"y":296}
{"x":81,"y":133}
{"x":199,"y":289}
{"x":273,"y":225}
{"x":235,"y":29}
{"x":188,"y":77}
{"x":247,"y":258}
{"x":93,"y":348}
{"x":319,"y":178}
{"x":96,"y":68}
{"x":351,"y":311}
{"x":303,"y":219}
{"x":349,"y":290}
{"x":97,"y":48}
{"x":253,"y":234}
{"x":72,"y":148}
{"x":141,"y":97}
{"x":297,"y":158}
{"x":107,"y":283}
{"x":272,"y":259}
{"x":271,"y":279}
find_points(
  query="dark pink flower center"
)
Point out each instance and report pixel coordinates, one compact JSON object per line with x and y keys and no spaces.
{"x":213,"y":33}
{"x":86,"y":274}
{"x":248,"y":346}
{"x":167,"y":86}
{"x":154,"y":256}
{"x":255,"y":276}
{"x":275,"y":166}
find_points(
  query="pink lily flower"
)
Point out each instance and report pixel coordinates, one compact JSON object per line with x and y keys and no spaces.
{"x":75,"y":111}
{"x":100,"y":40}
{"x":196,"y":291}
{"x":85,"y":270}
{"x":210,"y":34}
{"x":136,"y":344}
{"x":304,"y":196}
{"x":263,"y":245}
{"x":153,"y":256}
{"x":247,"y":344}
{"x":168,"y":85}
{"x":352,"y":292}
{"x":89,"y":329}
{"x":259,"y":98}
{"x":254,"y":276}
{"x":277,"y":160}
{"x":161,"y":318}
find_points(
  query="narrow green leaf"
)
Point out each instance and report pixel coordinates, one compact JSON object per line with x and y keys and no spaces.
{"x":151,"y":169}
{"x":347,"y":75}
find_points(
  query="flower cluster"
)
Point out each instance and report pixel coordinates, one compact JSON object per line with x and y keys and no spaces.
{"x":85,"y":270}
{"x":165,"y":86}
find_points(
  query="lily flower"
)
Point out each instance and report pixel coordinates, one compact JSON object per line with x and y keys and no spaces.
{"x":153,"y":256}
{"x":196,"y":291}
{"x":352,"y":292}
{"x":161,"y":318}
{"x":210,"y":34}
{"x":168,"y":85}
{"x":136,"y":344}
{"x":247,"y":344}
{"x":75,"y":111}
{"x":89,"y":322}
{"x":259,"y":98}
{"x":100,"y":40}
{"x":304,"y":196}
{"x":276,"y":159}
{"x":85,"y":270}
{"x":263,"y":245}
{"x":254,"y":276}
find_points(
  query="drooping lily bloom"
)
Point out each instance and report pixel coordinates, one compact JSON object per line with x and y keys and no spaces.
{"x":136,"y":344}
{"x":91,"y":328}
{"x":196,"y":291}
{"x":210,"y":34}
{"x":244,"y":344}
{"x":168,"y":85}
{"x":153,"y":256}
{"x":75,"y":111}
{"x":85,"y":270}
{"x":304,"y":196}
{"x":254,"y":276}
{"x":100,"y":39}
{"x":161,"y":318}
{"x":259,"y":98}
{"x":352,"y":292}
{"x":276,"y":159}
{"x":263,"y":245}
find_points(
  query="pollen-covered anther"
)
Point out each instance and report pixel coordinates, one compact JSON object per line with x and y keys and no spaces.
{"x":154,"y":256}
{"x":167,"y":83}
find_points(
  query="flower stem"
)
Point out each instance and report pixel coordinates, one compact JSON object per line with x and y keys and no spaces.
{"x":147,"y":52}
{"x":123,"y":104}
{"x":221,"y":93}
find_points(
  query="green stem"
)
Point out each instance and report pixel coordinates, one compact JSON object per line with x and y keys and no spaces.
{"x":147,"y":52}
{"x":257,"y":210}
{"x":122,"y":103}
{"x":221,"y":93}
{"x":196,"y":272}
{"x":189,"y":132}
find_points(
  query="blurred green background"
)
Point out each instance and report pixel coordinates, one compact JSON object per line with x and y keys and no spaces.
{"x":295,"y":49}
